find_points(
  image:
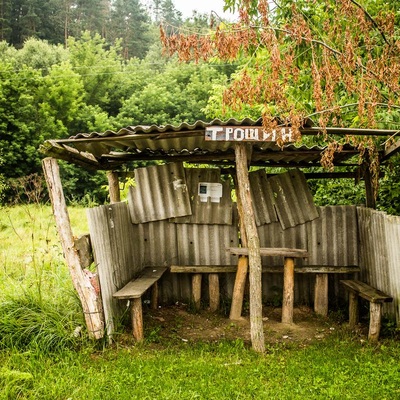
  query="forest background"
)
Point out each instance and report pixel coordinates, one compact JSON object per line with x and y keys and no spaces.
{"x":81,"y":66}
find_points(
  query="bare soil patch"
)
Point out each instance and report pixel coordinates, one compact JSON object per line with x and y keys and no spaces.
{"x":178,"y":323}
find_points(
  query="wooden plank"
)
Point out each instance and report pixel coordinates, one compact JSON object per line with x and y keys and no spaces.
{"x":84,"y":248}
{"x":216,"y":269}
{"x":136,"y":287}
{"x":367,"y":292}
{"x":278,"y":251}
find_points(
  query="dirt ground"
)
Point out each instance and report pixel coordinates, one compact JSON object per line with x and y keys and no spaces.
{"x":179,"y":323}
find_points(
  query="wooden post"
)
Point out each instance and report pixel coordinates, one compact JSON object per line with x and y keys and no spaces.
{"x":321,"y":294}
{"x":113,"y":187}
{"x":88,"y":294}
{"x":196,"y":290}
{"x":239,"y":288}
{"x":154,"y":296}
{"x":353,"y":310}
{"x":288,"y":291}
{"x":253,"y":245}
{"x":213,"y":289}
{"x":137,"y":319}
{"x":243,"y":263}
{"x":375,"y":315}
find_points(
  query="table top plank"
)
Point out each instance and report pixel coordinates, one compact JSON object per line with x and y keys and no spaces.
{"x":271,"y":251}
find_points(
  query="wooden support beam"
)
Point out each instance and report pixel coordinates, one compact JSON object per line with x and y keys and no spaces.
{"x":213,"y":285}
{"x":113,"y":187}
{"x":88,"y":294}
{"x":243,"y":262}
{"x":137,"y":319}
{"x":288,"y":291}
{"x":253,"y":244}
{"x":196,"y":290}
{"x":321,"y":294}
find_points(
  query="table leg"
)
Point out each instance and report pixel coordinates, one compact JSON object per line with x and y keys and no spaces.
{"x":288,"y":291}
{"x":321,"y":294}
{"x":137,"y":319}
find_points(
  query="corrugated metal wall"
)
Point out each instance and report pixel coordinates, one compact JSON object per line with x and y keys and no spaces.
{"x":340,"y":236}
{"x":160,"y":193}
{"x":380,"y":254}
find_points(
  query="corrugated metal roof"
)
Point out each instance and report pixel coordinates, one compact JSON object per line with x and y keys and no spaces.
{"x":184,"y":142}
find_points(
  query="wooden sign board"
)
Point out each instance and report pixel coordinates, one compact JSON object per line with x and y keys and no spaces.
{"x":247,"y":134}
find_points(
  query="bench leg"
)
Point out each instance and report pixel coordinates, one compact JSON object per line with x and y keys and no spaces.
{"x":213,"y":285}
{"x":196,"y":290}
{"x":375,"y":314}
{"x":288,"y":291}
{"x":239,"y":288}
{"x":353,"y":310}
{"x":137,"y":319}
{"x":321,"y":294}
{"x":154,"y":296}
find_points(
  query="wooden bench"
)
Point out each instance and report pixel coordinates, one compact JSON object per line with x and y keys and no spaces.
{"x":134,"y":290}
{"x":321,"y":280}
{"x":375,"y":297}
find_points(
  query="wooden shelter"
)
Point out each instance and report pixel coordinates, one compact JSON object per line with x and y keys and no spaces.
{"x":181,"y":202}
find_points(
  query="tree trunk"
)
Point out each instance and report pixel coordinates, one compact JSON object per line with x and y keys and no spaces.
{"x":253,"y":244}
{"x":88,"y":294}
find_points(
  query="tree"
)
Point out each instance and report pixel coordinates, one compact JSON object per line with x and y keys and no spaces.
{"x":130,"y":23}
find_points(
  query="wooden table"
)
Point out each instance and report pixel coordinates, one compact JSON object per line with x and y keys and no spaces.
{"x":289,"y":255}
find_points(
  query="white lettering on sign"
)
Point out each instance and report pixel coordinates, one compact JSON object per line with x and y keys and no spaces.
{"x":247,"y":133}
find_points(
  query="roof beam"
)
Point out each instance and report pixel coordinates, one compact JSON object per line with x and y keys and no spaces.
{"x":391,"y":151}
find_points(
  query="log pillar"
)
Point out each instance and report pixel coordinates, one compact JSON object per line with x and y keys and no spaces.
{"x":88,"y":294}
{"x":113,"y":187}
{"x":375,"y":315}
{"x":137,"y":319}
{"x":253,"y":245}
{"x":321,"y":294}
{"x":196,"y":290}
{"x":288,"y":291}
{"x":353,"y":310}
{"x":213,"y":286}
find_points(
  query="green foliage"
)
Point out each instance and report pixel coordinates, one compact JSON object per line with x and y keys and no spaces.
{"x":30,"y":323}
{"x":173,"y":96}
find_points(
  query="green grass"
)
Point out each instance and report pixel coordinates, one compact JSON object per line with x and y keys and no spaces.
{"x":41,"y":358}
{"x":334,"y":369}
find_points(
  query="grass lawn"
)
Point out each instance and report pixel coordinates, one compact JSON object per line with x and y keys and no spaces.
{"x":42,"y":358}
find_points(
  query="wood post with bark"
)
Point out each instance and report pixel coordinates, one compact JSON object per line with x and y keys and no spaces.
{"x":113,"y":187}
{"x":88,"y":292}
{"x":253,"y":245}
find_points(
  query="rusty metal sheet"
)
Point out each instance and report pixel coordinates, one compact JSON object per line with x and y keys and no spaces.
{"x":293,"y":199}
{"x":160,"y":193}
{"x":262,"y":198}
{"x":207,"y":212}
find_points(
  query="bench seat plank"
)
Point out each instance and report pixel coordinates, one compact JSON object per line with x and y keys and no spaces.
{"x":307,"y":269}
{"x":367,"y":292}
{"x":136,"y":287}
